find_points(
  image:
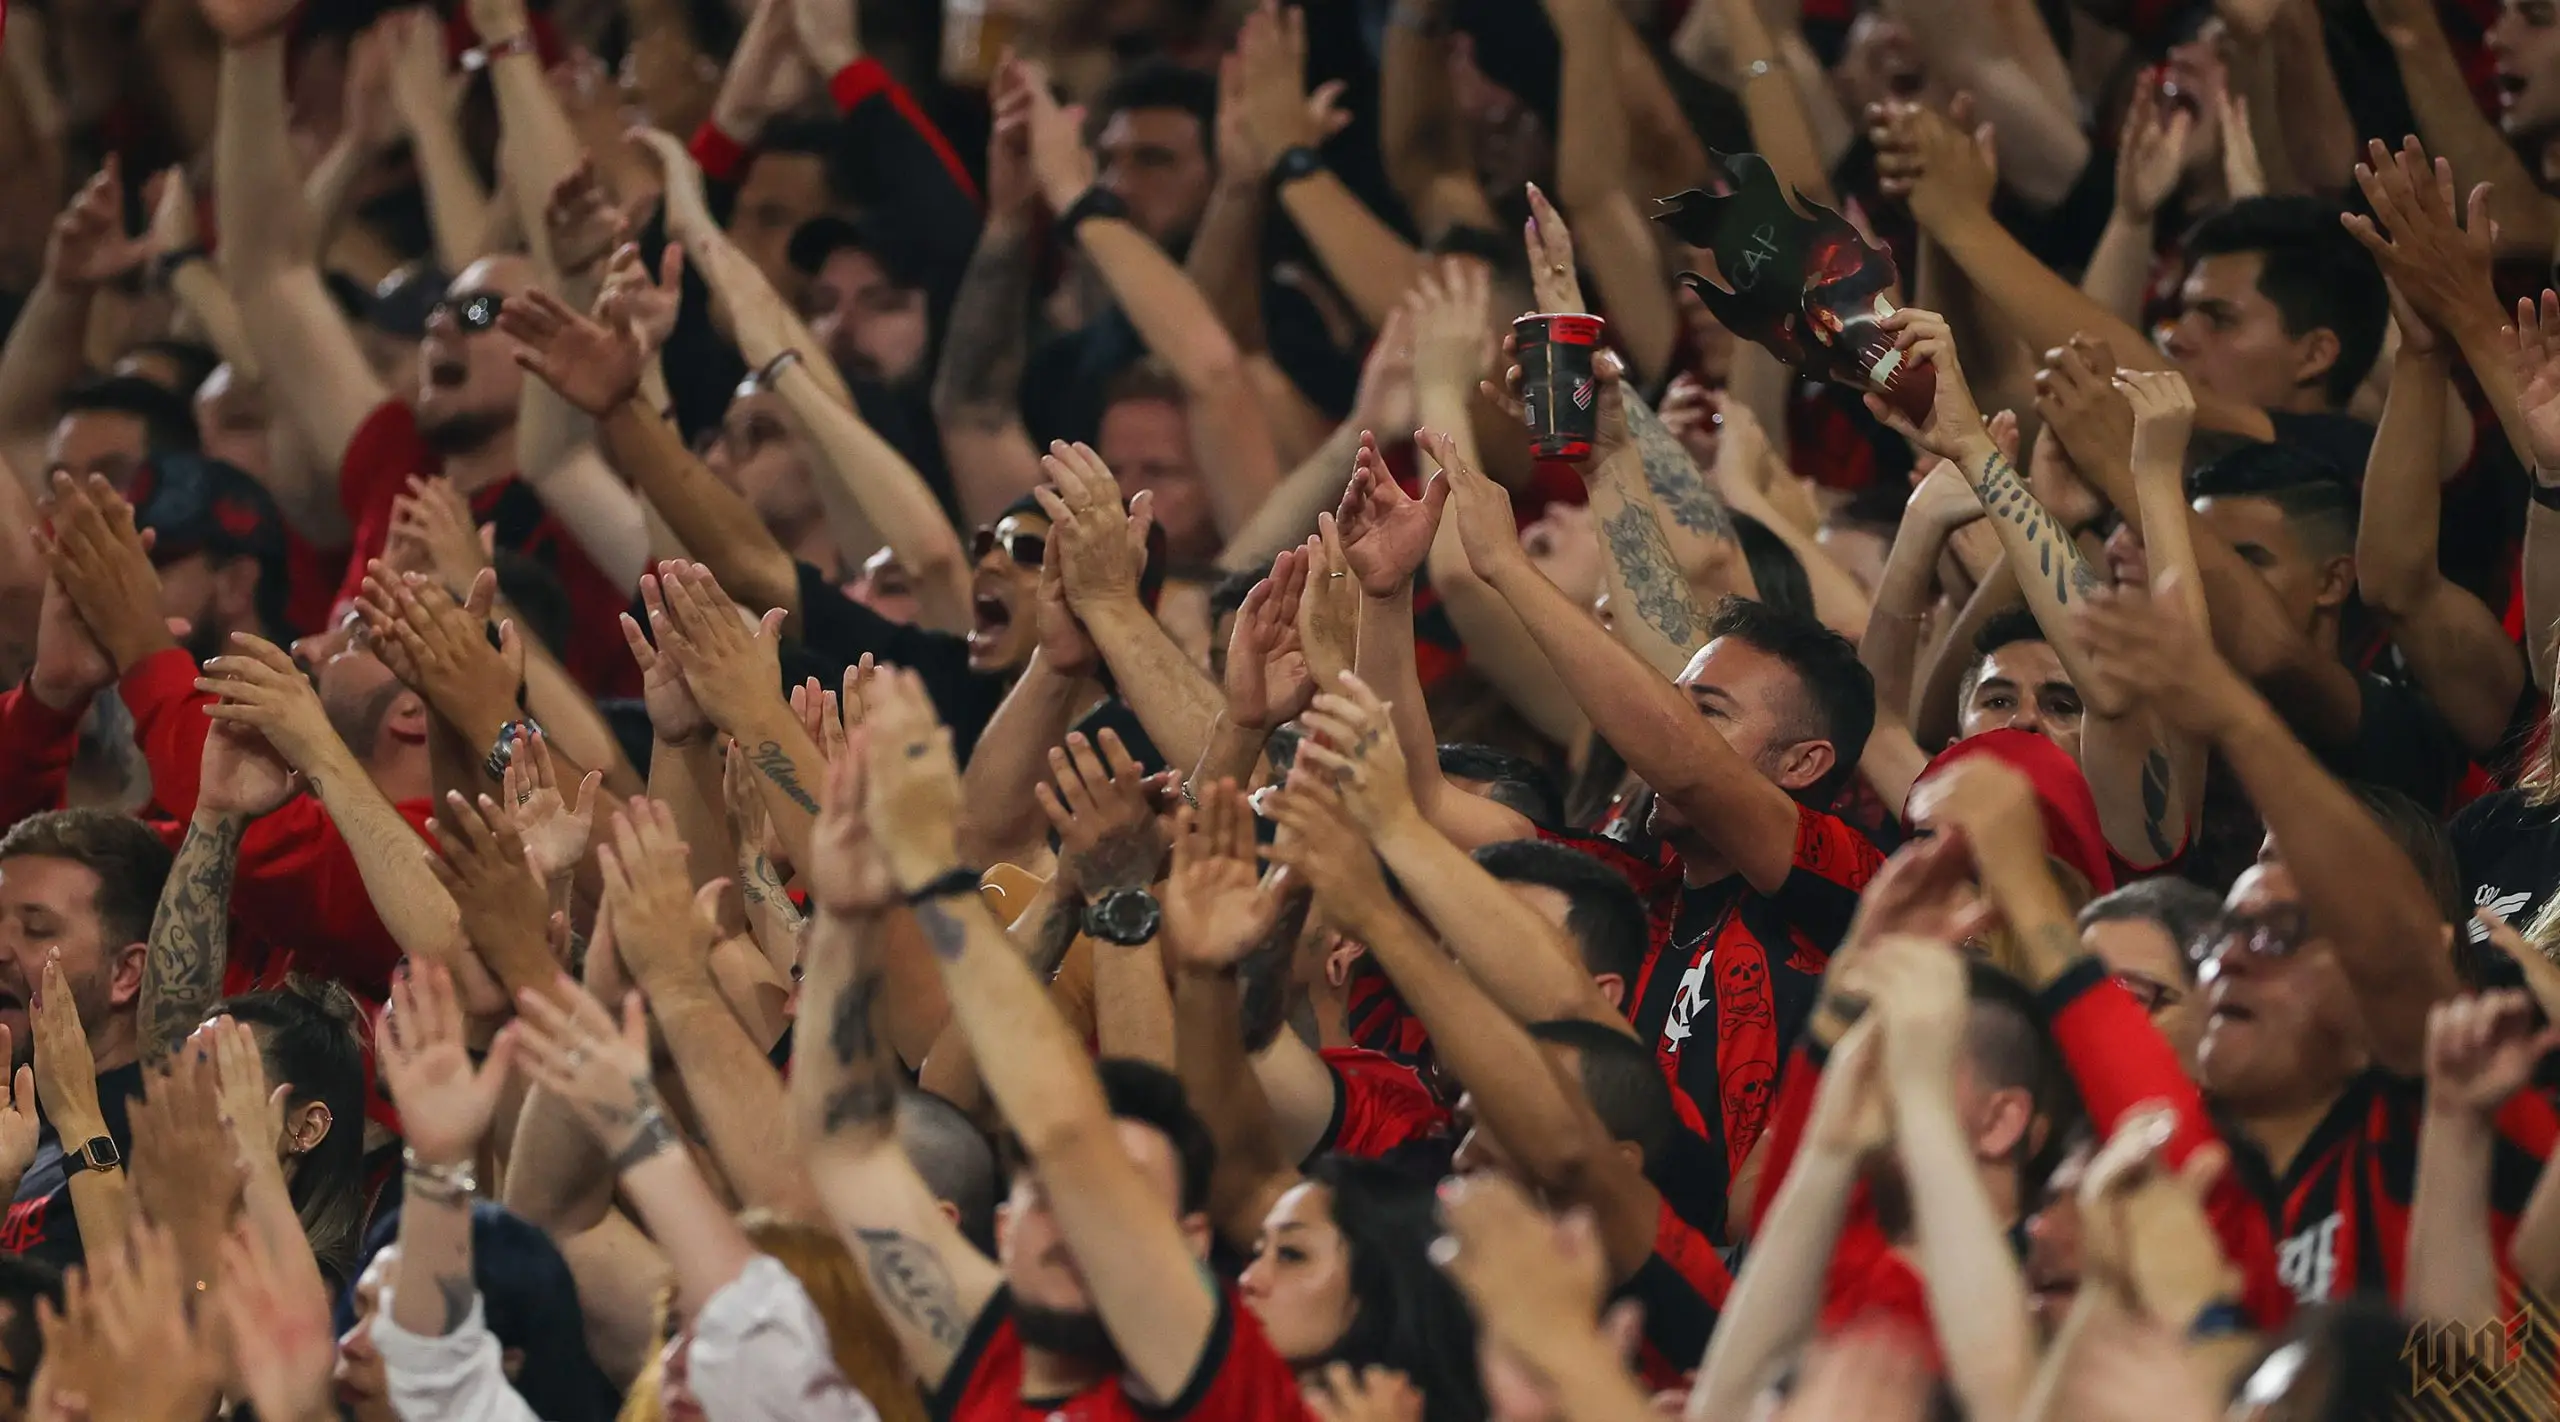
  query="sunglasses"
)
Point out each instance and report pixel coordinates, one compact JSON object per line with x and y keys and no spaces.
{"x":2274,"y":933}
{"x":1019,"y":544}
{"x":2150,"y":992}
{"x":475,"y":313}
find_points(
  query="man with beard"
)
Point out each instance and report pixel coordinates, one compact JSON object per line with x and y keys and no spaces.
{"x":300,"y":899}
{"x":1097,"y":1305}
{"x":460,"y":421}
{"x":77,"y":889}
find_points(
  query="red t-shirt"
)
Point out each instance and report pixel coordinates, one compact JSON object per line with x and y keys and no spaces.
{"x":1379,"y":1104}
{"x":387,"y":449}
{"x":1239,"y":1379}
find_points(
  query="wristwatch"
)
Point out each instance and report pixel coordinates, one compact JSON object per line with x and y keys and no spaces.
{"x":97,"y":1153}
{"x":1097,"y":201}
{"x":1295,"y":163}
{"x":1127,"y":917}
{"x":502,"y":751}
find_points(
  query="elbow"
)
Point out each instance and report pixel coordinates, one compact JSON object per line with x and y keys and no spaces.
{"x":2392,"y":591}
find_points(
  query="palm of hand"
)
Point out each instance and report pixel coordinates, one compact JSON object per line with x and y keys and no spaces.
{"x":1383,"y":549}
{"x":18,"y":1131}
{"x":1288,"y":684}
{"x":553,"y":837}
{"x":1215,"y":912}
{"x":438,"y":1110}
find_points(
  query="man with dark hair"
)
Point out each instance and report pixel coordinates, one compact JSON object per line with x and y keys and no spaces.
{"x":1504,"y":778}
{"x":2018,"y":681}
{"x":1154,"y":127}
{"x":173,"y":365}
{"x":219,"y":545}
{"x":1592,"y":901}
{"x":2295,"y":525}
{"x":1145,"y":436}
{"x":2284,"y":311}
{"x":77,"y":890}
{"x":109,"y":426}
{"x":956,"y":1161}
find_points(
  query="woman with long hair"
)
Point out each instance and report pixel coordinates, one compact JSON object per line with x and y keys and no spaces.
{"x":307,"y":1041}
{"x":1341,"y":1274}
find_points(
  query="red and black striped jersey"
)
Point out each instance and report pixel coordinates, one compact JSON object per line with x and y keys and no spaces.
{"x":1380,"y":1105}
{"x":2340,"y":1210}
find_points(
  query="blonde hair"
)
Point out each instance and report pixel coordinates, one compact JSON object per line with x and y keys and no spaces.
{"x":866,"y":1351}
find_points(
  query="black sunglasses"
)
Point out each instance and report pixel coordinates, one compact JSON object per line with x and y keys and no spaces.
{"x":1027,"y":549}
{"x":476,"y":312}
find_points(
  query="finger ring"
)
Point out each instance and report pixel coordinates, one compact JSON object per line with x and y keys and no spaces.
{"x":1333,"y":575}
{"x":574,"y":1058}
{"x":1556,"y":268}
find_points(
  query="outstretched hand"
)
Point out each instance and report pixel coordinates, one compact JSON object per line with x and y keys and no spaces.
{"x":1267,"y":682}
{"x":594,"y":366}
{"x":1486,"y":527}
{"x":1386,"y":533}
{"x":1216,"y":907}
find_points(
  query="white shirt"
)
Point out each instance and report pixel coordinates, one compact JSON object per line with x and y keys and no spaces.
{"x":455,"y":1377}
{"x":761,"y":1354}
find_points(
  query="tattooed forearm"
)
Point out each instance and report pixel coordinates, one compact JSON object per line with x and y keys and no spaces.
{"x":775,"y":764}
{"x":456,"y":1292}
{"x":2155,"y":805}
{"x":2057,"y":558}
{"x":980,"y":381}
{"x":943,"y":933}
{"x":1678,"y":485}
{"x":909,"y":1280}
{"x":1269,"y":992}
{"x":761,"y":885}
{"x":1655,"y":584}
{"x":1056,"y":934}
{"x":190,"y":936}
{"x":867,"y":1093}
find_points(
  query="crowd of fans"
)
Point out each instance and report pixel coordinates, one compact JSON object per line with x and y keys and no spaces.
{"x":771,"y":709}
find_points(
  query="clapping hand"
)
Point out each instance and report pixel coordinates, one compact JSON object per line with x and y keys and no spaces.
{"x":555,"y":832}
{"x":675,"y":717}
{"x":89,"y":246}
{"x":446,"y":1101}
{"x":1267,"y":682}
{"x":1354,"y":741}
{"x":847,"y":873}
{"x":912,"y":783}
{"x":1329,"y":608}
{"x":2536,"y":364}
{"x":735,"y":674}
{"x":1217,"y":907}
{"x":573,"y":1049}
{"x":2143,"y":651}
{"x":1486,"y":527}
{"x":1102,"y":549}
{"x":593,"y":365}
{"x":663,"y":927}
{"x":260,"y":689}
{"x":581,"y":220}
{"x":432,"y":532}
{"x":242,"y":774}
{"x":505,"y":909}
{"x":104,"y":563}
{"x":441,"y":649}
{"x":1385,"y":533}
{"x":1108,"y":836}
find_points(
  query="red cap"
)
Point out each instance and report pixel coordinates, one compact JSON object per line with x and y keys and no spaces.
{"x":2072,"y":833}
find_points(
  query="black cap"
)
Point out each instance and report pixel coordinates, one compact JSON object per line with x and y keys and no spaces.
{"x":197,"y":505}
{"x":827,"y":234}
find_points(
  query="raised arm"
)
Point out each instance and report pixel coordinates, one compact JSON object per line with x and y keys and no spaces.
{"x":1525,"y":963}
{"x":1545,"y":1123}
{"x":845,"y":1083}
{"x":977,"y":387}
{"x":2533,"y":363}
{"x":1592,"y":178}
{"x":2450,"y":120}
{"x":2358,"y":888}
{"x":597,"y":368}
{"x":1366,"y":259}
{"x":1745,"y":816}
{"x":422,"y":94}
{"x":1157,"y":1303}
{"x":303,"y":344}
{"x":190,"y":943}
{"x":1422,"y":138}
{"x":42,"y":359}
{"x":2480,"y":1051}
{"x":873,"y":477}
{"x":1228,"y":431}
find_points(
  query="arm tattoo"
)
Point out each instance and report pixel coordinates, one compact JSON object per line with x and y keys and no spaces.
{"x":943,"y":933}
{"x":2155,"y":805}
{"x":1678,"y":485}
{"x":774,"y":763}
{"x":457,"y":1293}
{"x":190,"y":937}
{"x":980,"y":381}
{"x":909,"y":1280}
{"x":868,"y":1091}
{"x":1655,"y":584}
{"x":2005,"y":497}
{"x":1057,"y":933}
{"x":762,"y":884}
{"x":1269,"y":994}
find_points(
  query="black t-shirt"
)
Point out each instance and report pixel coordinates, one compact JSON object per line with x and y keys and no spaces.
{"x":2508,"y":848}
{"x":41,"y":1223}
{"x":2340,"y":441}
{"x":2401,"y":742}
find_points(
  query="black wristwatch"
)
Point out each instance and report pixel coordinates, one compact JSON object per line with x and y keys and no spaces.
{"x":1127,"y":917}
{"x":1295,"y":163}
{"x":1098,"y":201}
{"x":502,"y":751}
{"x":98,"y":1153}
